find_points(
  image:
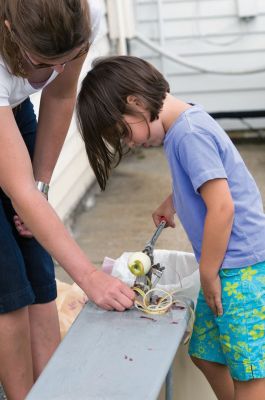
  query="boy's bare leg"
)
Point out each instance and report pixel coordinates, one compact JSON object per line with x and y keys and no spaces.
{"x":250,"y":390}
{"x":218,"y":376}
{"x":45,"y":334}
{"x":16,"y":373}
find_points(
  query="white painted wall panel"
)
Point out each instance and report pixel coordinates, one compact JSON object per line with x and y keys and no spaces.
{"x":190,"y":9}
{"x":204,"y":46}
{"x":174,"y":30}
{"x":187,"y":10}
{"x":201,"y":83}
{"x":227,"y":101}
{"x":234,"y":61}
{"x":210,"y":34}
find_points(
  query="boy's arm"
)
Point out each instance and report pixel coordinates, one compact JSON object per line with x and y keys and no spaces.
{"x":217,"y":231}
{"x":166,"y":210}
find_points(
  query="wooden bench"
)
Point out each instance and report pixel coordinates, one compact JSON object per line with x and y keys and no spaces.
{"x":113,"y":356}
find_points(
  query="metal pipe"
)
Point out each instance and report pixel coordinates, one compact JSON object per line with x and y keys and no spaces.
{"x":122,"y":46}
{"x":161,"y":32}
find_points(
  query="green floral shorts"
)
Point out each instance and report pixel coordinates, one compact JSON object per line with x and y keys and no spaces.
{"x":237,"y":338}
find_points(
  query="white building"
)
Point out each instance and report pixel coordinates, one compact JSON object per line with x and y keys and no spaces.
{"x":212,"y":52}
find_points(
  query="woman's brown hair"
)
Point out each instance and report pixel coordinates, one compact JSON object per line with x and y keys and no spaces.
{"x":46,"y":28}
{"x":102,"y":103}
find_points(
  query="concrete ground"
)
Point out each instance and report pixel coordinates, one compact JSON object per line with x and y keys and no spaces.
{"x":119,"y":219}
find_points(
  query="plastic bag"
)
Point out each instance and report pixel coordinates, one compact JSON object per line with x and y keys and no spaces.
{"x":181,"y":272}
{"x":181,"y":276}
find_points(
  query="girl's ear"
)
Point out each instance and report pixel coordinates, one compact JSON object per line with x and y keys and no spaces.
{"x":132,"y":100}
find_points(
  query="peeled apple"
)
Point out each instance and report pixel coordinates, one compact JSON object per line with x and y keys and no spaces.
{"x":139,"y":263}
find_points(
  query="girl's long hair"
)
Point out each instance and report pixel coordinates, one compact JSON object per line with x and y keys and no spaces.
{"x":46,"y":28}
{"x":102,"y":103}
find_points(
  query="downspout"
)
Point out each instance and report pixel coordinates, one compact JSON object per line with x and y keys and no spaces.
{"x":122,"y":46}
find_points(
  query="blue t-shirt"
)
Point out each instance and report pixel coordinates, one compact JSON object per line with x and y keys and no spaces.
{"x":199,"y":150}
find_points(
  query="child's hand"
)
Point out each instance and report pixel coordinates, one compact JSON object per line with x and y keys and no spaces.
{"x":21,"y":227}
{"x":108,"y":292}
{"x":211,"y":287}
{"x":165,"y":211}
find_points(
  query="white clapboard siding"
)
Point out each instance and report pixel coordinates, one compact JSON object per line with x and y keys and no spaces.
{"x":73,"y":175}
{"x":209,"y":34}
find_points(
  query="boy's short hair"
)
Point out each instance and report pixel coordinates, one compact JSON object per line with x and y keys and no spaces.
{"x":102,"y":103}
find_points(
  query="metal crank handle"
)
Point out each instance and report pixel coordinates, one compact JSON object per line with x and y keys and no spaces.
{"x":155,"y":236}
{"x":159,"y":229}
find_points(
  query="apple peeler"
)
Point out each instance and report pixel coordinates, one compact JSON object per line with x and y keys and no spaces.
{"x":150,"y":280}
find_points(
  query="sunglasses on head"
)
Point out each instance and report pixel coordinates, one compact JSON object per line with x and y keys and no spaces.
{"x":82,"y":52}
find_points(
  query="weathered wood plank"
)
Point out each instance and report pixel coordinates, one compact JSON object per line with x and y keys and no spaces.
{"x":112,"y":356}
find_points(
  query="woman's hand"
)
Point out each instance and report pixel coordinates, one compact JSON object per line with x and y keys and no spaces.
{"x":108,"y":292}
{"x":211,"y":287}
{"x":21,"y":227}
{"x":165,"y":210}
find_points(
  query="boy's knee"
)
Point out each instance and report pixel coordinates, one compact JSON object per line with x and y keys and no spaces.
{"x":197,"y":361}
{"x":203,"y":365}
{"x":208,"y":367}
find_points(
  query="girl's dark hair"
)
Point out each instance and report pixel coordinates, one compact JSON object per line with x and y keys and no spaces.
{"x":47,"y":28}
{"x":102,"y":103}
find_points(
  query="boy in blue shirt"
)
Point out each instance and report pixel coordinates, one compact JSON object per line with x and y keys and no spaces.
{"x":126,"y":101}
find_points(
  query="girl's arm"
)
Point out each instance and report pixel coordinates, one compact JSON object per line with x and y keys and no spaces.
{"x":217,"y":231}
{"x":17,"y":180}
{"x":55,"y":114}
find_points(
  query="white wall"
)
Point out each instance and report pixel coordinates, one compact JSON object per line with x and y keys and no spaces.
{"x":208,"y":33}
{"x":73,"y":175}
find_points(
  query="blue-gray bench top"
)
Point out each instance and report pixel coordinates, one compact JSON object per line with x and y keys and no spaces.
{"x":108,"y":355}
